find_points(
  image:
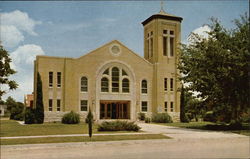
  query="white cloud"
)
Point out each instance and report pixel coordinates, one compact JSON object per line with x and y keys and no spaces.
{"x":202,"y":32}
{"x":13,"y":25}
{"x":21,"y":20}
{"x":26,"y":54}
{"x":23,"y":62}
{"x":10,"y":36}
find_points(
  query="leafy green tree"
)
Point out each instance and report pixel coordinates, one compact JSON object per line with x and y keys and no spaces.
{"x":217,"y":67}
{"x":89,"y":120}
{"x":10,"y":102}
{"x":183,"y":103}
{"x":5,"y":72}
{"x":39,"y":110}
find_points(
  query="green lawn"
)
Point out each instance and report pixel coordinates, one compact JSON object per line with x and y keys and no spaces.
{"x":211,"y":126}
{"x":81,"y":139}
{"x":12,"y":128}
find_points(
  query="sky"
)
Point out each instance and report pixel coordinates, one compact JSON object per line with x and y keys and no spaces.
{"x":74,"y":28}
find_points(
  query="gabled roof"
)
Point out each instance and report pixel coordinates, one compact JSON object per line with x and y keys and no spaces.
{"x":162,"y":15}
{"x":118,"y":42}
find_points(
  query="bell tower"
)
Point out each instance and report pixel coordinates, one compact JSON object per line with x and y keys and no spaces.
{"x":162,"y":34}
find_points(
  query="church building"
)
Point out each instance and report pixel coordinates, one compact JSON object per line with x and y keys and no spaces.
{"x":113,"y":81}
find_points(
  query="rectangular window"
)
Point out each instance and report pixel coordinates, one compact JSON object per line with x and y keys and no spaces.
{"x":151,"y":46}
{"x":50,"y":104}
{"x":166,"y":106}
{"x":58,"y":108}
{"x":144,"y":106}
{"x":172,"y":106}
{"x":165,"y":31}
{"x":171,"y":46}
{"x":50,"y":79}
{"x":165,"y":84}
{"x":148,"y":48}
{"x":165,"y":46}
{"x":171,"y":84}
{"x":58,"y":79}
{"x":171,"y":32}
{"x":84,"y":105}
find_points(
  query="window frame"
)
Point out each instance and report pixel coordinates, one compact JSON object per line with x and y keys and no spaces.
{"x":50,"y":79}
{"x":50,"y":105}
{"x":128,"y":83}
{"x":83,"y":105}
{"x":144,"y":88}
{"x":84,"y":87}
{"x":172,"y":106}
{"x":59,"y":79}
{"x":144,"y":106}
{"x":58,"y":105}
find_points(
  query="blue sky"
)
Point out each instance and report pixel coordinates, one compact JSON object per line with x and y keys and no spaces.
{"x":73,"y":28}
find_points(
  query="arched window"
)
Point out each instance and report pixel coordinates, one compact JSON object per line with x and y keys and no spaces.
{"x":125,"y":85}
{"x":144,"y":87}
{"x":115,"y":79}
{"x":84,"y":84}
{"x":104,"y":84}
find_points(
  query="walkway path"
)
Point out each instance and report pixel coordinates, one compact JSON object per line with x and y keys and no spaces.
{"x":183,"y":133}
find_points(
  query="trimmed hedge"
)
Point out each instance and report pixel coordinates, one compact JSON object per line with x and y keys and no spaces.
{"x":161,"y":118}
{"x":71,"y":118}
{"x":118,"y":126}
{"x":209,"y":116}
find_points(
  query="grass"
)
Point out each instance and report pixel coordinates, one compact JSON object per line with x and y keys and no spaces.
{"x":211,"y":126}
{"x":10,"y":128}
{"x":81,"y":139}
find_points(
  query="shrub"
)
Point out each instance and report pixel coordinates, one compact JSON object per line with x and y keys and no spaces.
{"x":71,"y":118}
{"x":161,"y":118}
{"x":118,"y":126}
{"x":141,"y":116}
{"x":16,"y":112}
{"x":209,"y":116}
{"x":29,"y":116}
{"x":147,"y":120}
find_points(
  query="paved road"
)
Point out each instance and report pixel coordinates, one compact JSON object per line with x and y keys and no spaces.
{"x":185,"y":144}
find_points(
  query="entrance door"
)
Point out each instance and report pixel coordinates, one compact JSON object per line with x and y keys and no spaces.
{"x":114,"y":109}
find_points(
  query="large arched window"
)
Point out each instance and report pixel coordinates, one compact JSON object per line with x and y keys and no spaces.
{"x":144,"y":87}
{"x":104,"y":84}
{"x":125,"y":85}
{"x":84,"y":84}
{"x":115,"y":79}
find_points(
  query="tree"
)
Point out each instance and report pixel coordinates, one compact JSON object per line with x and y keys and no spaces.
{"x":29,"y":116}
{"x":183,"y":103}
{"x":217,"y":67}
{"x":5,"y":72}
{"x":89,"y":120}
{"x":39,"y":110}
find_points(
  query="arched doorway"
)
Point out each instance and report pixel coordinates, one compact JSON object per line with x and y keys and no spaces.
{"x":115,"y":92}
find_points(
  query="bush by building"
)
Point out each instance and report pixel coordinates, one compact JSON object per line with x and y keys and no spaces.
{"x":161,"y":118}
{"x":71,"y":118}
{"x":118,"y":126}
{"x":141,"y":116}
{"x":147,"y":120}
{"x":16,"y":112}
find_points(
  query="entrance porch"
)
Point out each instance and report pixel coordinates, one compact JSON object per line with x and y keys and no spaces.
{"x":114,"y":109}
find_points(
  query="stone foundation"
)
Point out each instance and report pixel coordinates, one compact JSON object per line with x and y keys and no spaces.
{"x":57,"y":116}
